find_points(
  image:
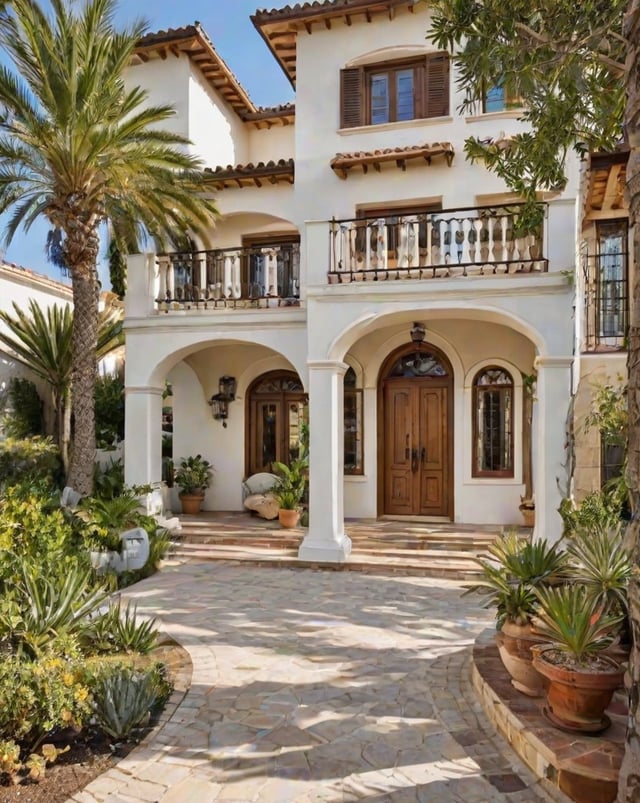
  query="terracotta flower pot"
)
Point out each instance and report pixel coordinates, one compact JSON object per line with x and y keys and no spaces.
{"x":191,"y":503}
{"x":288,"y":518}
{"x":578,"y":698}
{"x":514,"y":645}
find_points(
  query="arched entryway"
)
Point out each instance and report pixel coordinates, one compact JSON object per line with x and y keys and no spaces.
{"x":415,"y":422}
{"x":276,"y":413}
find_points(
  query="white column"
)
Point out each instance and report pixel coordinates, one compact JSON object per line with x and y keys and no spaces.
{"x":550,"y":477}
{"x":143,"y":435}
{"x":326,"y":540}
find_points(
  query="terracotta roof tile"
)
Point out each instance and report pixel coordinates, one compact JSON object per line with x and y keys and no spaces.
{"x":245,"y":175}
{"x":343,"y":162}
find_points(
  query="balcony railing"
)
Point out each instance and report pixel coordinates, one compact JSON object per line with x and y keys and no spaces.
{"x":429,"y":245}
{"x":236,"y":278}
{"x":606,"y":307}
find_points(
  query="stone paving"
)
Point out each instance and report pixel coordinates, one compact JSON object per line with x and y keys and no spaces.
{"x":318,"y":686}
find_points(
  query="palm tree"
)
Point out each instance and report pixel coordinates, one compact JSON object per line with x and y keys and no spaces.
{"x":41,"y":340}
{"x":80,"y":149}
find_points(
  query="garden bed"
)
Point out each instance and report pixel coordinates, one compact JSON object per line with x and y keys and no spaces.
{"x":92,"y":754}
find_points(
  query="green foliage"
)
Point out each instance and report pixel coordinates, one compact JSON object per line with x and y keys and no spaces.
{"x":29,"y":460}
{"x":601,"y":564}
{"x":117,"y":269}
{"x":512,"y":571}
{"x":106,"y":519}
{"x":23,"y":419}
{"x":599,"y":511}
{"x":34,"y":533}
{"x":108,"y":480}
{"x":564,"y":60}
{"x":43,"y":613}
{"x":610,"y":414}
{"x":39,"y":698}
{"x":574,"y":621}
{"x":124,"y":700}
{"x":119,"y":630}
{"x":292,"y":482}
{"x":109,"y":411}
{"x":193,"y":474}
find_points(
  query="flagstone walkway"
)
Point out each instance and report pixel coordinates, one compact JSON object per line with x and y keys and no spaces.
{"x":318,"y":686}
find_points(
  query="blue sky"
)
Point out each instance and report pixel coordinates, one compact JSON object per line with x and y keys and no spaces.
{"x":228,"y":25}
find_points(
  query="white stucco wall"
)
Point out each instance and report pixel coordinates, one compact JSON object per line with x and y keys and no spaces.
{"x":217,"y":134}
{"x":271,"y":144}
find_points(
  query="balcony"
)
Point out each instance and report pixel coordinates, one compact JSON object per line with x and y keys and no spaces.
{"x":229,"y":278}
{"x":606,"y":301}
{"x":435,"y":244}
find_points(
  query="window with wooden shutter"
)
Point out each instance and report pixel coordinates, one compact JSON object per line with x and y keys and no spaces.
{"x":411,"y":89}
{"x":351,"y":97}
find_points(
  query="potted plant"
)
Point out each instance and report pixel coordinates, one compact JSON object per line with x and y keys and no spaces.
{"x":290,"y":490}
{"x":511,"y":572}
{"x":581,"y":680}
{"x":193,"y":477}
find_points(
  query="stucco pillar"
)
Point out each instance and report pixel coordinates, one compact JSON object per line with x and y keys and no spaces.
{"x":143,"y":435}
{"x":326,"y":540}
{"x":550,"y":471}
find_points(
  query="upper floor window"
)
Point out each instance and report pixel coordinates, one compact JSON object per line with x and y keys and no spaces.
{"x":493,"y":423}
{"x":394,"y":91}
{"x":500,"y":98}
{"x":607,"y":287}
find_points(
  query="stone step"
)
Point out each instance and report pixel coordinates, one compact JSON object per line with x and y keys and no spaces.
{"x":454,"y":566}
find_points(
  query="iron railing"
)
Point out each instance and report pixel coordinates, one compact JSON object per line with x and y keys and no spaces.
{"x":229,"y":278}
{"x":442,"y":243}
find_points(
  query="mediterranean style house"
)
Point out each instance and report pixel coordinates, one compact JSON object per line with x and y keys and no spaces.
{"x":365,"y":279}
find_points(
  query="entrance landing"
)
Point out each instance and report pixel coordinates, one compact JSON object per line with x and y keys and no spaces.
{"x":379,"y":546}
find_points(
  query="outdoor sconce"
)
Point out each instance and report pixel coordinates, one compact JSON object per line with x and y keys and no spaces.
{"x":219,"y":402}
{"x":417,"y":333}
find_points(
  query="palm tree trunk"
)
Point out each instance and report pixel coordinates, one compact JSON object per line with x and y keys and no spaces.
{"x":629,"y":783}
{"x":84,"y":365}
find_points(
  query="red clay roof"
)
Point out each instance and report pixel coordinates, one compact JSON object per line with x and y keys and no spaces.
{"x":343,"y":162}
{"x":251,"y":174}
{"x":279,"y":26}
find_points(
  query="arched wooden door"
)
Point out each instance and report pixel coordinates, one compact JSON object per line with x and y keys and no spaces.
{"x":276,"y":411}
{"x":417,"y":433}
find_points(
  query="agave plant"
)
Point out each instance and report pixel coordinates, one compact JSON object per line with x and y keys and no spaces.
{"x":119,"y":630}
{"x":602,"y":565}
{"x":512,"y":570}
{"x":574,"y":621}
{"x":124,"y":700}
{"x":45,"y":610}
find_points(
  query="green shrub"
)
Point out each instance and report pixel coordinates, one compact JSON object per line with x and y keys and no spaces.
{"x":34,"y":461}
{"x":23,"y":418}
{"x":108,"y":480}
{"x":39,"y":698}
{"x":35,"y":532}
{"x":109,"y":407}
{"x":599,"y":511}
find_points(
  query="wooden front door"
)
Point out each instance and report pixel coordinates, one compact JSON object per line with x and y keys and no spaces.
{"x":416,"y":447}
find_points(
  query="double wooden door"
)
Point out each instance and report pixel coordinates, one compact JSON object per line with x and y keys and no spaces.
{"x":416,"y":448}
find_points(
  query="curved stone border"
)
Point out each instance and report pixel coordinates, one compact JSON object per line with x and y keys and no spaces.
{"x":580,"y":768}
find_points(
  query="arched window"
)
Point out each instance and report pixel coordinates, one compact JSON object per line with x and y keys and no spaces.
{"x":353,"y":463}
{"x":493,"y":423}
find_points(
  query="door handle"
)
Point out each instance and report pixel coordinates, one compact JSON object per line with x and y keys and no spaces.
{"x":423,"y":455}
{"x":414,"y":461}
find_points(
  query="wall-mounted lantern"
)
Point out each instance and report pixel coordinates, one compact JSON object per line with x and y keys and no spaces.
{"x":220,"y":401}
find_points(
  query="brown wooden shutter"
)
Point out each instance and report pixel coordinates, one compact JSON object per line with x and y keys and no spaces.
{"x":351,"y":97}
{"x":436,"y":86}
